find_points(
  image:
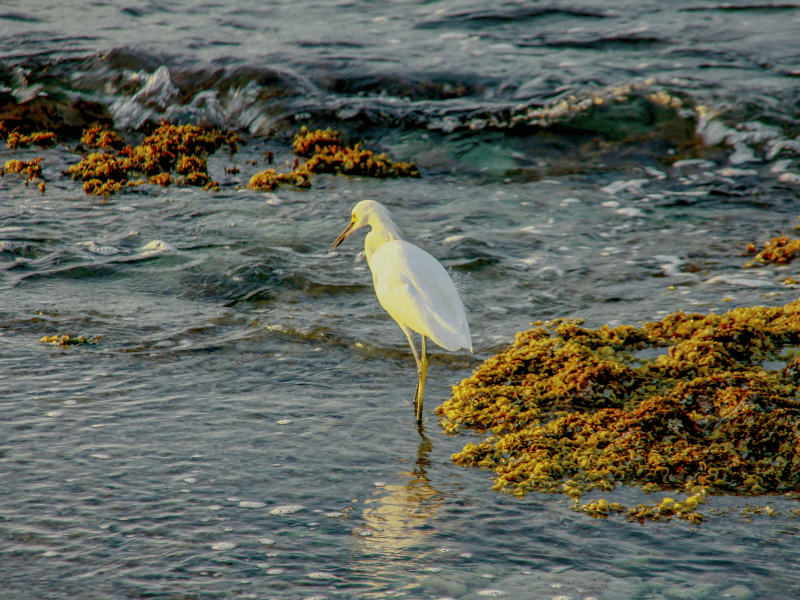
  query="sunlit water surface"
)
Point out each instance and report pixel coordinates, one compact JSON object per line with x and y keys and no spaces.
{"x":244,"y":427}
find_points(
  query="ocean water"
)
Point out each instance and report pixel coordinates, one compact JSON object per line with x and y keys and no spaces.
{"x":244,"y":427}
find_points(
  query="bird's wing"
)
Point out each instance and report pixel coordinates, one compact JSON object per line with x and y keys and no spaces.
{"x":415,"y":289}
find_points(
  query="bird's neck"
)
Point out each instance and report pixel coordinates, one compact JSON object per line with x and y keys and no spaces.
{"x":383,"y":231}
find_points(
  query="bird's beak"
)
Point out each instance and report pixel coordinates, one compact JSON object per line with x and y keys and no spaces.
{"x":344,"y":234}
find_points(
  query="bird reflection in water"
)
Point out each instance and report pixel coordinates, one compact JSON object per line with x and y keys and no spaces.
{"x":392,"y":542}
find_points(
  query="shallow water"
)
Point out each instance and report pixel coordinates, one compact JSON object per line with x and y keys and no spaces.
{"x":244,"y":427}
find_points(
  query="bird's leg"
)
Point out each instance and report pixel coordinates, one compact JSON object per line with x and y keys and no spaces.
{"x":422,"y":371}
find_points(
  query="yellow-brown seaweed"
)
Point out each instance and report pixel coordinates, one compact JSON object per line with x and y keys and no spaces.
{"x":570,"y":409}
{"x":15,"y":139}
{"x":357,"y":161}
{"x":32,"y":169}
{"x":66,"y":341}
{"x":326,"y":154}
{"x":307,"y":143}
{"x":99,"y":136}
{"x":162,"y":179}
{"x":183,"y":149}
{"x":779,"y":250}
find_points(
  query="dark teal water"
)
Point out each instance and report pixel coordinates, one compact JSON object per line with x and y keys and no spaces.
{"x":244,"y":427}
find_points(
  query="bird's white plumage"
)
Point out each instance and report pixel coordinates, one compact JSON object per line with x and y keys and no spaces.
{"x":412,"y":286}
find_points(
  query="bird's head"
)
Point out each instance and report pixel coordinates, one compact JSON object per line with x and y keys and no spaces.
{"x":366,"y":212}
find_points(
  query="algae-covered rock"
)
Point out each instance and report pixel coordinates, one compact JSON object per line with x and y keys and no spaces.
{"x":98,"y":136}
{"x":326,"y":153}
{"x":307,"y":143}
{"x":779,"y":250}
{"x":570,"y":409}
{"x":183,"y":149}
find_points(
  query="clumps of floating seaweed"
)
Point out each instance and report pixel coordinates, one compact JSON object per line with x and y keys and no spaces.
{"x":65,"y":341}
{"x":660,"y":511}
{"x":779,"y":251}
{"x":182,"y":149}
{"x":15,"y":139}
{"x":682,"y":404}
{"x":326,"y":153}
{"x":32,"y":169}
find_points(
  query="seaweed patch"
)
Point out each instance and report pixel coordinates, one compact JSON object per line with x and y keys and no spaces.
{"x":779,"y":251}
{"x":182,"y":149}
{"x":682,"y":404}
{"x":32,"y":169}
{"x":326,"y":153}
{"x":99,"y":136}
{"x":65,"y":341}
{"x":15,"y":139}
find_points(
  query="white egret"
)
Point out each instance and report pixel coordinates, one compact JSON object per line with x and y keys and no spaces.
{"x":412,"y":286}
